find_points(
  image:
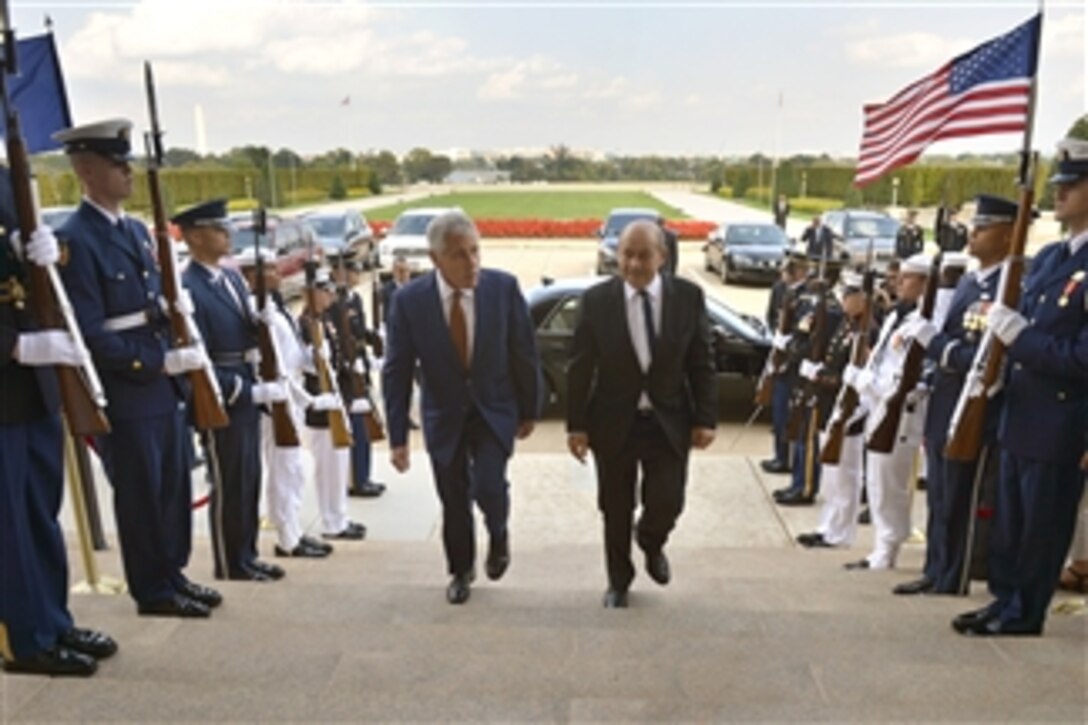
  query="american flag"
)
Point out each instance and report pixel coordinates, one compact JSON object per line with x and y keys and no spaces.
{"x":983,"y":91}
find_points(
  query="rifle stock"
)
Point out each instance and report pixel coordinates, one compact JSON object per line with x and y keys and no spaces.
{"x":348,"y":347}
{"x":339,"y":428}
{"x":82,"y":397}
{"x":207,"y":401}
{"x":776,"y":358}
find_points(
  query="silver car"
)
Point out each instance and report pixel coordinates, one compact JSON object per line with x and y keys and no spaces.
{"x":853,"y":230}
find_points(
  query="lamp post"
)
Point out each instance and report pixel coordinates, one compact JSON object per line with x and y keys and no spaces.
{"x":804,"y":184}
{"x":895,"y":191}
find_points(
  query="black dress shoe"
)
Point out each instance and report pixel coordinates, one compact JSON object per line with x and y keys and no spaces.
{"x":615,"y":599}
{"x":657,"y":566}
{"x":247,"y":575}
{"x":856,"y":565}
{"x":88,"y":642}
{"x":773,"y":466}
{"x":459,"y":589}
{"x":814,"y":540}
{"x":994,"y":627}
{"x":205,"y":595}
{"x":370,"y":489}
{"x":795,"y":498}
{"x":918,"y":586}
{"x":962,"y":622}
{"x":351,"y":532}
{"x":316,"y":543}
{"x":498,"y":558}
{"x":865,"y":517}
{"x":56,"y":662}
{"x":272,"y":571}
{"x":179,"y":606}
{"x":301,"y":550}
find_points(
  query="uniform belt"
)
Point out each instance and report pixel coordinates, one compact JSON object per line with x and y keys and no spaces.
{"x":130,"y":321}
{"x":252,"y":355}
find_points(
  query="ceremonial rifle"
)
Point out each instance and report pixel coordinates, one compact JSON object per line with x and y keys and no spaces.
{"x":848,"y":399}
{"x":82,"y":396}
{"x":339,"y":428}
{"x":983,"y":378}
{"x":776,"y":359}
{"x":283,"y":426}
{"x":816,"y":352}
{"x":890,"y":412}
{"x":349,"y":352}
{"x":207,"y":403}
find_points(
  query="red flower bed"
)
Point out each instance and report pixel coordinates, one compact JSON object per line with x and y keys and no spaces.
{"x":564,"y":228}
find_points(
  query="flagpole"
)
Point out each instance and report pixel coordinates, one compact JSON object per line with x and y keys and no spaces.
{"x":1033,"y":92}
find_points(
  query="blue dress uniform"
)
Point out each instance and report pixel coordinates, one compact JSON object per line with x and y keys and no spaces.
{"x":114,"y":285}
{"x":950,"y":484}
{"x":783,"y":383}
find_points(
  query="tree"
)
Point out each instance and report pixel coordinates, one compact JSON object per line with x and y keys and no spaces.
{"x":385,"y":166}
{"x":180,"y":157}
{"x":286,"y":159}
{"x":1079,"y":128}
{"x":421,"y":165}
{"x":338,"y":191}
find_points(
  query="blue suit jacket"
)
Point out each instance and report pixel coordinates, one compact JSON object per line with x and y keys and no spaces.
{"x":226,"y":328}
{"x":110,"y":272}
{"x":1046,"y":411}
{"x":952,"y":351}
{"x":503,"y":383}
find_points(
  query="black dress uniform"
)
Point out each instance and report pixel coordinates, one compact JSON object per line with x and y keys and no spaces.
{"x":784,"y":382}
{"x":909,"y":240}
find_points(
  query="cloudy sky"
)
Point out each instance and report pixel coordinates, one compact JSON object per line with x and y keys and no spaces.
{"x":626,"y":77}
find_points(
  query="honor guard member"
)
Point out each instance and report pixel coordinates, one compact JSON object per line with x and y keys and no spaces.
{"x":950,"y":349}
{"x":887,"y":474}
{"x":910,"y":239}
{"x":345,"y":272}
{"x":332,"y":465}
{"x":795,"y":276}
{"x":221,"y":310}
{"x":1044,"y":425}
{"x":37,"y":634}
{"x":283,"y":467}
{"x":842,"y":482}
{"x":115,"y":289}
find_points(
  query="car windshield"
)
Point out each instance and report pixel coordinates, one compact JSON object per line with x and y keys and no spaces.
{"x":617,"y":222}
{"x":872,"y":227}
{"x":327,"y":226}
{"x":412,"y":224}
{"x":242,"y":238}
{"x":755,"y":234}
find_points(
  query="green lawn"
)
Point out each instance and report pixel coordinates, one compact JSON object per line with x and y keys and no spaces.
{"x":533,"y":204}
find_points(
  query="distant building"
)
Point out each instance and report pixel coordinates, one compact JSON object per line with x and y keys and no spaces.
{"x":477,"y":176}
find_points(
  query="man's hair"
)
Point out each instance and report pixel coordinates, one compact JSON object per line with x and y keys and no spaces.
{"x":449,"y":224}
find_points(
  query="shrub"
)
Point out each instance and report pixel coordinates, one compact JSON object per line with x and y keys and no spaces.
{"x":243,"y":204}
{"x":337,"y":190}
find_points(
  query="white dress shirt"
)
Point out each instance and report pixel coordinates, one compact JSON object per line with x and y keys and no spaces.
{"x":636,"y":325}
{"x":468,"y":307}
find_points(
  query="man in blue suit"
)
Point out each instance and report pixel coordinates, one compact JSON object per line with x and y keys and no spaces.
{"x":470,"y":332}
{"x":228,"y":327}
{"x":1044,"y":427}
{"x":115,"y":289}
{"x":951,"y":348}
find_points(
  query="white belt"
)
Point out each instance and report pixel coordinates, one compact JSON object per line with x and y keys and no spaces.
{"x":126,"y":322}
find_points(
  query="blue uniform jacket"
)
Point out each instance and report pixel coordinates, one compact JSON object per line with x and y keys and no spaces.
{"x":1046,"y":411}
{"x":953,"y":350}
{"x":503,"y":384}
{"x":228,"y":330}
{"x":110,"y":273}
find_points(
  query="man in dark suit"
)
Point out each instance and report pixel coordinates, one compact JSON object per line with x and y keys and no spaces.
{"x":817,"y":240}
{"x":642,"y":393}
{"x":781,"y":211}
{"x":401,"y":276}
{"x":910,"y":239}
{"x":672,"y":247}
{"x":228,"y":327}
{"x":470,"y":333}
{"x":116,"y":291}
{"x":37,"y":633}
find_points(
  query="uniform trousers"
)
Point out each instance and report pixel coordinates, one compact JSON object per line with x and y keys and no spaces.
{"x":780,"y":417}
{"x":806,"y":468}
{"x":951,"y":528}
{"x":235,"y":502}
{"x":284,"y":477}
{"x":1079,"y":550}
{"x":147,"y":463}
{"x":842,"y":484}
{"x":664,"y":475}
{"x":1035,"y":514}
{"x":332,"y":474}
{"x":888,"y":480}
{"x":33,"y":561}
{"x":360,"y":452}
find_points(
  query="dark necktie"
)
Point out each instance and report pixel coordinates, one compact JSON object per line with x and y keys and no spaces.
{"x":648,"y":318}
{"x":458,"y":328}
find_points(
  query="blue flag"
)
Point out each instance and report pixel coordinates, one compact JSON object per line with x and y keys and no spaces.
{"x":38,"y":93}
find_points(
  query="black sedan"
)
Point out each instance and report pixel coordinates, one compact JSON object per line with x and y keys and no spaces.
{"x":741,"y":342}
{"x":749,"y":251}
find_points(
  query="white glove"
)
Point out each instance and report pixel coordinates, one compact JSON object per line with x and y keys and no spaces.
{"x":357,"y":366}
{"x":1007,"y":324}
{"x":779,"y":341}
{"x":49,"y":347}
{"x":863,"y":383}
{"x":924,"y":331}
{"x":183,"y":359}
{"x":263,"y":393}
{"x":810,"y":370}
{"x":184,"y":304}
{"x":267,"y":314}
{"x":360,"y":406}
{"x":850,"y":375}
{"x":324,"y":402}
{"x":43,"y":249}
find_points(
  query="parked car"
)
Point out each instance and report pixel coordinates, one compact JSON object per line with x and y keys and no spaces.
{"x":741,"y":342}
{"x":610,"y":231}
{"x":408,"y":237}
{"x":55,"y":216}
{"x":292,"y":240}
{"x":746,"y":251}
{"x":852,"y":231}
{"x":339,"y":231}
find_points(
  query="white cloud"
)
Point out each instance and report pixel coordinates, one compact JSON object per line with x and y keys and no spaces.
{"x":531,"y":76}
{"x":906,"y":50}
{"x":1064,"y":35}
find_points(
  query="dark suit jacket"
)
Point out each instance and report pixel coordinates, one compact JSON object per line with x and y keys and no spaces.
{"x":503,"y":383}
{"x":818,"y":242}
{"x":672,"y":244}
{"x":605,"y":381}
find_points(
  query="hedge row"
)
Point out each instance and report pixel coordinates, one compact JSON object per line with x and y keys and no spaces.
{"x":564,"y":228}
